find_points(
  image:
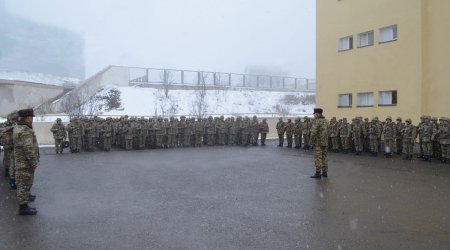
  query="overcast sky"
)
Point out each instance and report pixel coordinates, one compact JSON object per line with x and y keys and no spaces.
{"x":214,"y":35}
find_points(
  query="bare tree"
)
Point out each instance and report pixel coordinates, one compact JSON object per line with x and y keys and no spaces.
{"x":199,"y":105}
{"x":167,"y":78}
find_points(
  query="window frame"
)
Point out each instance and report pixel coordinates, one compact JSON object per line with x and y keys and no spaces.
{"x":395,"y":33}
{"x":358,"y":98}
{"x":350,"y":43}
{"x":350,"y":95}
{"x":370,"y":42}
{"x":394,"y":98}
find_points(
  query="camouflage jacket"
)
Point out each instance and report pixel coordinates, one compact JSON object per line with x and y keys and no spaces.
{"x":408,"y":132}
{"x":345,"y":129}
{"x":264,"y":127}
{"x":59,"y":131}
{"x":389,"y":131}
{"x":281,"y":127}
{"x":398,"y":128}
{"x":289,"y":128}
{"x":320,"y":132}
{"x":26,"y":150}
{"x":444,"y":134}
{"x":6,"y":136}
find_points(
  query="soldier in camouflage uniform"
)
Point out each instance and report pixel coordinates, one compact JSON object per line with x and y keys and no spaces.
{"x":289,"y":132}
{"x":366,"y":140}
{"x":182,"y":125}
{"x":172,"y":131}
{"x":435,"y":143}
{"x":210,"y":131}
{"x":444,"y":139}
{"x":26,"y":154}
{"x":232,"y":132}
{"x":357,"y":135}
{"x":374,"y":133}
{"x":264,"y":130}
{"x":306,"y":130}
{"x":344,"y":133}
{"x":399,"y":138}
{"x":319,"y":138}
{"x":245,"y":131}
{"x":427,"y":133}
{"x":75,"y":130}
{"x":6,"y":139}
{"x":298,"y":133}
{"x":389,"y":132}
{"x":281,"y":128}
{"x":421,"y":154}
{"x":220,"y":128}
{"x":254,"y":128}
{"x":107,"y":130}
{"x":59,"y":135}
{"x":408,"y":135}
{"x":334,"y":134}
{"x":199,"y":131}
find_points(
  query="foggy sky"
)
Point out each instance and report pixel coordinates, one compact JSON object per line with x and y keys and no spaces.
{"x":214,"y":35}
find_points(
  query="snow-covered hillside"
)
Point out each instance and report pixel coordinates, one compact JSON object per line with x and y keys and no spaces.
{"x":150,"y":101}
{"x":36,"y":77}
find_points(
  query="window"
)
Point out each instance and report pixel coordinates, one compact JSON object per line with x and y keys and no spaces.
{"x":388,"y":34}
{"x":365,"y":39}
{"x":346,"y":43}
{"x":345,"y":100}
{"x":365,"y":99}
{"x":387,"y":98}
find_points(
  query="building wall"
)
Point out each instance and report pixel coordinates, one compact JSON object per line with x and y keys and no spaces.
{"x":396,"y":65}
{"x":436,"y":50}
{"x":19,"y":95}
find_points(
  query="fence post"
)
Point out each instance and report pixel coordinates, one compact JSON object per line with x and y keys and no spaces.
{"x":165,"y":76}
{"x":146,"y":75}
{"x":271,"y":81}
{"x":257,"y":82}
{"x":214,"y":79}
{"x":198,"y":77}
{"x":182,"y":77}
{"x":283,"y":82}
{"x":243,"y":82}
{"x":307,"y":84}
{"x":229,"y":79}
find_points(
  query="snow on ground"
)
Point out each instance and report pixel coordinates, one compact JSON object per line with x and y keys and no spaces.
{"x":148,"y":102}
{"x":36,"y":77}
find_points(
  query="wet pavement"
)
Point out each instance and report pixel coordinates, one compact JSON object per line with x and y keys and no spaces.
{"x":229,"y":198}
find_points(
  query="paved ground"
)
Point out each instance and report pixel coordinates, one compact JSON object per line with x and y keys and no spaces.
{"x":229,"y":198}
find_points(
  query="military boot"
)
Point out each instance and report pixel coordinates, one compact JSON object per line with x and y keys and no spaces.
{"x":324,"y":174}
{"x":406,"y":157}
{"x":31,"y":197}
{"x":26,"y":210}
{"x":316,"y":175}
{"x":6,"y":173}
{"x":410,"y":157}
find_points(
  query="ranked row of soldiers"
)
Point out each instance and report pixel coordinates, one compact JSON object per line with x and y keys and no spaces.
{"x":140,"y":133}
{"x":21,"y":156}
{"x":431,"y":134}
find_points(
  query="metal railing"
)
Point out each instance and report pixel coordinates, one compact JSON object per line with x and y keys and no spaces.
{"x":139,"y":76}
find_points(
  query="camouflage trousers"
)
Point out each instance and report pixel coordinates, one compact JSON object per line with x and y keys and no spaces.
{"x":75,"y":144}
{"x":306,"y":139}
{"x":211,"y":139}
{"x":399,"y":145}
{"x":289,"y":139}
{"x":107,"y":143}
{"x":24,"y":182}
{"x":263,"y":138}
{"x":388,"y":145}
{"x":221,"y":138}
{"x":427,"y":146}
{"x":298,"y":140}
{"x":335,"y":143}
{"x":141,"y":142}
{"x":59,"y":145}
{"x":254,"y":135}
{"x":374,"y":146}
{"x":187,"y":140}
{"x":171,"y":140}
{"x":408,"y":146}
{"x":345,"y":142}
{"x":181,"y":140}
{"x":280,"y":139}
{"x":7,"y":158}
{"x":445,"y":151}
{"x":198,"y":139}
{"x":437,"y":149}
{"x":245,"y":139}
{"x":232,"y":139}
{"x":320,"y":158}
{"x":357,"y":140}
{"x":160,"y":140}
{"x":128,"y":144}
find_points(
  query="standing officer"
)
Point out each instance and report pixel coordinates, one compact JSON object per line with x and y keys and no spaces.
{"x":281,"y":128}
{"x":59,"y":134}
{"x":289,"y":132}
{"x":264,"y":130}
{"x":319,"y":138}
{"x":26,"y":154}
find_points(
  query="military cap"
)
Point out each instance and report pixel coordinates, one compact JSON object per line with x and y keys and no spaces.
{"x":376,"y":118}
{"x":318,"y":111}
{"x":434,"y":119}
{"x":388,"y":118}
{"x":442,"y":118}
{"x":408,"y":120}
{"x":399,"y":118}
{"x":366,"y":119}
{"x":427,"y":117}
{"x":26,"y":112}
{"x":422,"y":117}
{"x":13,"y":115}
{"x":58,"y":119}
{"x":344,"y":119}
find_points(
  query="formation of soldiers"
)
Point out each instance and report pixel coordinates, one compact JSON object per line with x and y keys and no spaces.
{"x":21,"y":156}
{"x":361,"y":135}
{"x":88,"y":134}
